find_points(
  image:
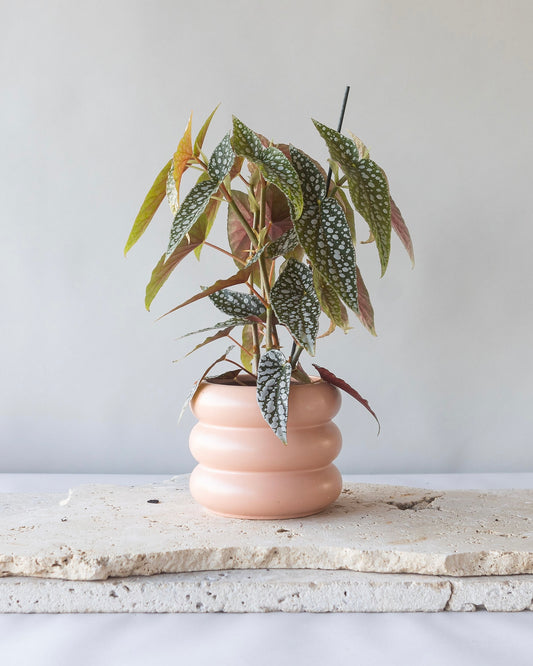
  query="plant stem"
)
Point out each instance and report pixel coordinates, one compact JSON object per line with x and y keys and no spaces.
{"x":337,"y":186}
{"x":257,"y":352}
{"x":344,"y":102}
{"x":220,"y":249}
{"x":247,"y":228}
{"x":295,"y":357}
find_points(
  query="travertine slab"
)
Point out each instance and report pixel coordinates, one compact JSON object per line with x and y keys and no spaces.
{"x":101,"y":531}
{"x":258,"y":591}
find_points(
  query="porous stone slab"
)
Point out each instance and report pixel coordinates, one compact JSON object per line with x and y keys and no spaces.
{"x":102,"y":531}
{"x":251,"y":591}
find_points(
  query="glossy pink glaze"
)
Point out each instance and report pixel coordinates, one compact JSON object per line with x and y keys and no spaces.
{"x":245,"y":471}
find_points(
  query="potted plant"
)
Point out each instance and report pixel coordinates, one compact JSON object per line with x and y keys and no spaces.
{"x":265,"y":441}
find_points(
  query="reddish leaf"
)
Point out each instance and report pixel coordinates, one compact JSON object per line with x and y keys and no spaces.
{"x":332,"y":379}
{"x":162,"y":271}
{"x":366,"y":311}
{"x":238,"y":240}
{"x":401,"y":230}
{"x":239,"y":277}
{"x":216,"y":336}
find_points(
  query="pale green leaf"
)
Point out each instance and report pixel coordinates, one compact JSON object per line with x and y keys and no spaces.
{"x":237,"y":304}
{"x":247,"y":350}
{"x":273,"y":385}
{"x":368,"y":187}
{"x":324,"y":232}
{"x":199,"y":142}
{"x":182,"y":156}
{"x":149,"y":207}
{"x":295,"y":303}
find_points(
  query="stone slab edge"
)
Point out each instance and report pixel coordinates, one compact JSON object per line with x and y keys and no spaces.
{"x":270,"y":590}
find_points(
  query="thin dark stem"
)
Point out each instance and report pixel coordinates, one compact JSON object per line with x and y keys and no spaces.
{"x":344,"y":102}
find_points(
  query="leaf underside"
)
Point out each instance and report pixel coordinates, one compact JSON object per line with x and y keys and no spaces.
{"x":332,"y":379}
{"x":273,"y":384}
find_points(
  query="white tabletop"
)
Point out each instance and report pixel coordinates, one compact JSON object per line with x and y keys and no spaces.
{"x":276,"y":639}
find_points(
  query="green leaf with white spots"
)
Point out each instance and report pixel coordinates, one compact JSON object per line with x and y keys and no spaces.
{"x":272,"y":163}
{"x":368,"y":187}
{"x":172,"y":192}
{"x":239,"y":277}
{"x":273,"y":384}
{"x":149,"y":207}
{"x":190,"y":210}
{"x":324,"y":232}
{"x":246,"y":142}
{"x":285,"y":244}
{"x":237,"y":304}
{"x":330,"y":302}
{"x":221,"y":160}
{"x":277,"y":170}
{"x":341,"y":197}
{"x":196,"y":201}
{"x":295,"y":303}
{"x":221,"y":324}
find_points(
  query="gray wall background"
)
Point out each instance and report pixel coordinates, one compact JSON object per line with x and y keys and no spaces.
{"x":95,"y":96}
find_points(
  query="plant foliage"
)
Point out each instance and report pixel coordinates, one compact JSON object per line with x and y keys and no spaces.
{"x":292,"y":238}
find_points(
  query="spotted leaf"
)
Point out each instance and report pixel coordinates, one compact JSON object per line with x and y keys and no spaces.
{"x":221,"y":324}
{"x":239,"y":277}
{"x":237,"y":304}
{"x":295,"y":303}
{"x":285,"y":244}
{"x":190,"y":210}
{"x":246,"y":142}
{"x":172,"y":192}
{"x":330,"y":302}
{"x":273,"y":384}
{"x":272,"y":163}
{"x":324,"y":232}
{"x":182,"y":156}
{"x":221,"y":160}
{"x":368,"y":187}
{"x":149,"y":207}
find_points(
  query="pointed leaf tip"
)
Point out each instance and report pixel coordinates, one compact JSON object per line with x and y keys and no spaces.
{"x":332,"y":379}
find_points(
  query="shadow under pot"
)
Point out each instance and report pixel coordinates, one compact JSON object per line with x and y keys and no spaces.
{"x":245,"y":471}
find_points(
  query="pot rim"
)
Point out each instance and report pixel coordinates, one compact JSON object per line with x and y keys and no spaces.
{"x":315,"y":380}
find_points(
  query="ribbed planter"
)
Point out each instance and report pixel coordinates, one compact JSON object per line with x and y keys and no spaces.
{"x":245,"y":471}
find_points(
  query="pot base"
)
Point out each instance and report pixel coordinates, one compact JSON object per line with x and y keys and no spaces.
{"x":266,"y":495}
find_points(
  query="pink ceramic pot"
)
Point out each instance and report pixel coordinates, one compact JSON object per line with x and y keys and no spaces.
{"x":245,"y":471}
